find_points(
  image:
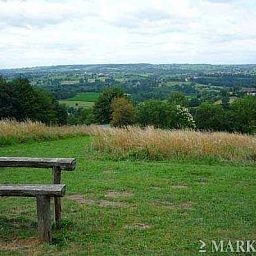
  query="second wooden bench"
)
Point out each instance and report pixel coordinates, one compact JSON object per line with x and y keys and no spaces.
{"x":43,"y":193}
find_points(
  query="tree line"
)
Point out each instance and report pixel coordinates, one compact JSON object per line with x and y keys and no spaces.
{"x":21,"y":101}
{"x":238,"y":116}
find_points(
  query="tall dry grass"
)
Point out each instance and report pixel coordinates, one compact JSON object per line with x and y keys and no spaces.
{"x":153,"y":143}
{"x":18,"y":132}
{"x":148,"y":143}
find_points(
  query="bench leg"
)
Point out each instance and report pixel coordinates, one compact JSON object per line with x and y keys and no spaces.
{"x":57,"y":203}
{"x":57,"y":200}
{"x":44,"y":218}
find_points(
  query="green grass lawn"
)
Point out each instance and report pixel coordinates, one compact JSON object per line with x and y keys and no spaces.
{"x":83,"y":99}
{"x":77,"y":104}
{"x":129,"y":207}
{"x":85,"y":96}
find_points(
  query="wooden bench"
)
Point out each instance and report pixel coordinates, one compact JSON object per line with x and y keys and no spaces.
{"x":56,"y":190}
{"x":43,"y":194}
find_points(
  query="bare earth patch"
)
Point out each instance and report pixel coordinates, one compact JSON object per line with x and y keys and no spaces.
{"x":101,"y":203}
{"x":77,"y":198}
{"x":165,"y":204}
{"x":30,"y":245}
{"x":156,"y":188}
{"x":140,"y":226}
{"x":172,"y":206}
{"x":179,"y":186}
{"x":105,"y":203}
{"x":108,"y":171}
{"x":117,"y":194}
{"x":186,"y":205}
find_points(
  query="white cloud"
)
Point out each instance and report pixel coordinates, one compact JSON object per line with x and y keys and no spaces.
{"x":117,"y":31}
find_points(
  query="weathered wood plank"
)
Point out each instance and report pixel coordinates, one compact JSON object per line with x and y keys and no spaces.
{"x":67,"y":164}
{"x":32,"y":190}
{"x":57,"y":200}
{"x":44,"y":219}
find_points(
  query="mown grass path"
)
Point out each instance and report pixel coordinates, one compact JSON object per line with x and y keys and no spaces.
{"x":129,"y":207}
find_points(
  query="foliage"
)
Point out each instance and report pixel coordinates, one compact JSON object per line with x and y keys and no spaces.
{"x":243,"y":113}
{"x":211,"y":117}
{"x":177,"y":98}
{"x":183,"y":119}
{"x":79,"y":116}
{"x":141,"y":81}
{"x":19,"y":100}
{"x":122,"y":112}
{"x":239,"y":116}
{"x":102,"y":108}
{"x":163,"y":115}
{"x":225,"y":99}
{"x":154,"y":112}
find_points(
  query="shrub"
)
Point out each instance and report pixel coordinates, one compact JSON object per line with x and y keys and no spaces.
{"x":211,"y":117}
{"x":122,"y":112}
{"x":163,"y":115}
{"x":102,"y":108}
{"x":243,"y":112}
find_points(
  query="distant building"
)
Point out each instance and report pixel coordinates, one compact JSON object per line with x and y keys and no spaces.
{"x":137,"y":84}
{"x":249,"y":91}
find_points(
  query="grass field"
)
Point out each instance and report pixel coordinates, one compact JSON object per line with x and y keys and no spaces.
{"x":129,"y":207}
{"x":157,"y":144}
{"x":84,"y":100}
{"x":85,"y":96}
{"x":77,"y":104}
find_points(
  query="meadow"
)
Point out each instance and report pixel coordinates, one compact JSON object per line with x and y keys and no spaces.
{"x":77,"y":104}
{"x":118,"y":204}
{"x":85,"y":96}
{"x":13,"y":132}
{"x":157,"y":144}
{"x":84,"y":100}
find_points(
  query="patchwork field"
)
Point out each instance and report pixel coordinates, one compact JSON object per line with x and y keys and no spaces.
{"x":129,"y":207}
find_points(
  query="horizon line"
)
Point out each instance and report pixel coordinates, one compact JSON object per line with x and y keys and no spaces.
{"x":130,"y":63}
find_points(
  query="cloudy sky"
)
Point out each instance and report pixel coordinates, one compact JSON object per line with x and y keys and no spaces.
{"x":42,"y":32}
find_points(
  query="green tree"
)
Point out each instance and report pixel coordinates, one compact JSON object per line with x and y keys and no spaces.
{"x":122,"y":112}
{"x":163,"y":115}
{"x":211,"y":117}
{"x":177,"y":98}
{"x":225,"y":99}
{"x":62,"y":115}
{"x":102,"y":109}
{"x":243,"y":113}
{"x":182,"y":119}
{"x":19,"y":100}
{"x":153,"y":112}
{"x":80,"y":116}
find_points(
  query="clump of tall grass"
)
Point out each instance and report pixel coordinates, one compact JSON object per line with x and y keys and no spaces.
{"x":138,"y":143}
{"x":150,"y":143}
{"x":18,"y":132}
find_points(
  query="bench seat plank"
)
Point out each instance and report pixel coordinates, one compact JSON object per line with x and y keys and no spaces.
{"x":63,"y":163}
{"x":32,"y":190}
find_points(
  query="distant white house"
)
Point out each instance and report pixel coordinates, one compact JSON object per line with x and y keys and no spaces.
{"x":249,"y":91}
